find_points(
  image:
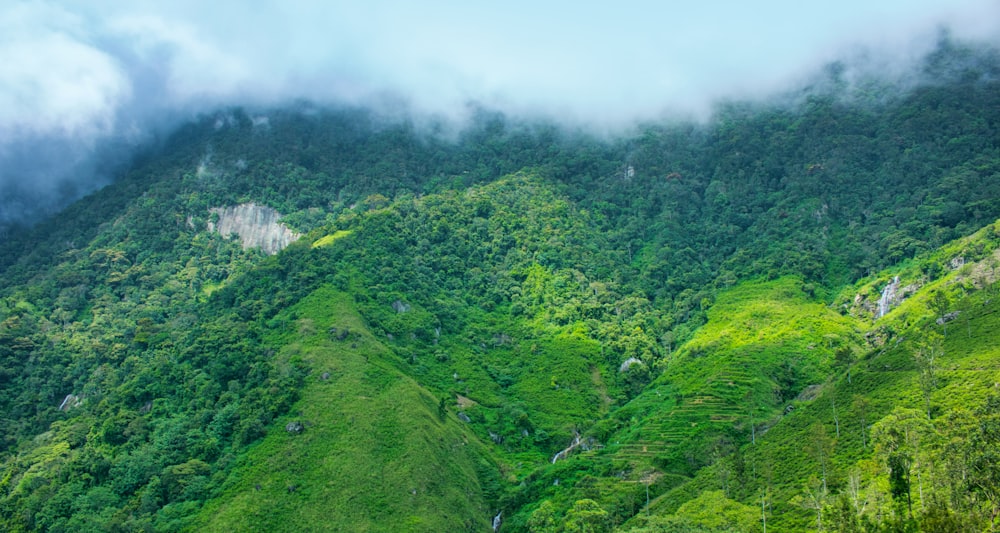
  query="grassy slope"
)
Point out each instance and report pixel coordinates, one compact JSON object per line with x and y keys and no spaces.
{"x":374,"y":455}
{"x":764,"y":342}
{"x":885,"y":377}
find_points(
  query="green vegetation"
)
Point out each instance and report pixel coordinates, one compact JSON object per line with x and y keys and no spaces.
{"x":675,"y":331}
{"x":346,"y":458}
{"x":331,"y":238}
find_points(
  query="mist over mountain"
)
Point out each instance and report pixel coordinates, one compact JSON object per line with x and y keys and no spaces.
{"x":532,"y":268}
{"x":85,"y":80}
{"x":318,"y":316}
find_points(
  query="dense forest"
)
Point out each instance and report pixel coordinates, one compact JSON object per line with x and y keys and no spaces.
{"x":782,"y":319}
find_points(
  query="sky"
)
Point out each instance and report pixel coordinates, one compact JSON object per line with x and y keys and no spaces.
{"x":78,"y":74}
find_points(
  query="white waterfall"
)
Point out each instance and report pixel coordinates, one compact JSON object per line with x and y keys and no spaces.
{"x":887,"y":298}
{"x":564,"y":453}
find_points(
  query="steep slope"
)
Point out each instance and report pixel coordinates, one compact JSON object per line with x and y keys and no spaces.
{"x":365,"y":448}
{"x":617,"y":328}
{"x":765,"y":344}
{"x":257,"y":227}
{"x":220,"y":326}
{"x":900,"y":436}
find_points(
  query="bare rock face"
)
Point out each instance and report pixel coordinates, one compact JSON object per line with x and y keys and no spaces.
{"x":257,"y":226}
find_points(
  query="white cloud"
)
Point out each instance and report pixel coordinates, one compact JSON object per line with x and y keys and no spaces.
{"x":86,"y":69}
{"x":195,"y":67}
{"x":590,"y":60}
{"x":52,"y":82}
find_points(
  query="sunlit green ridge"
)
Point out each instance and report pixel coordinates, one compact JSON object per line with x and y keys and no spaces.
{"x":784,"y":316}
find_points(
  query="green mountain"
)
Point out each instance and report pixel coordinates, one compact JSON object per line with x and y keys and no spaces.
{"x":316,"y":319}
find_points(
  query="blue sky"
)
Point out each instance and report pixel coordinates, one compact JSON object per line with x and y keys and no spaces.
{"x":82,"y":71}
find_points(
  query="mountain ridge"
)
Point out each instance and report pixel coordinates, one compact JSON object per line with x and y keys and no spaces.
{"x":694,"y":304}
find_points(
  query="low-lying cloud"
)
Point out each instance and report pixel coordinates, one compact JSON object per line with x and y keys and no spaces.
{"x":79,"y":73}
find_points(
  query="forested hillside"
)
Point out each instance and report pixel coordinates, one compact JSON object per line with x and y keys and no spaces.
{"x":780,"y":318}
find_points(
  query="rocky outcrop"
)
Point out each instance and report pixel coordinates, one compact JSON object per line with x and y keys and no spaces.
{"x":257,"y":226}
{"x":947,"y":317}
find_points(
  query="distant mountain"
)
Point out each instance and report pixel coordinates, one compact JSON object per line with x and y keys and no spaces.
{"x":330,"y":320}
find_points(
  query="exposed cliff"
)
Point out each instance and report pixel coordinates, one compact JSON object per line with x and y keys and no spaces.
{"x":257,"y":226}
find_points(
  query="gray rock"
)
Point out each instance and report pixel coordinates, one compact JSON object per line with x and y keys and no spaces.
{"x":948,"y":317}
{"x":256,"y":225}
